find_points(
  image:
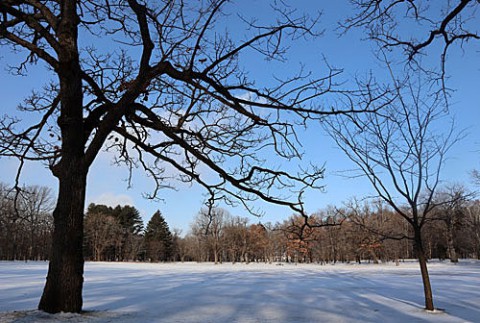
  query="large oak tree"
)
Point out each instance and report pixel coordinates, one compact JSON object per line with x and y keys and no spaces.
{"x":163,"y":85}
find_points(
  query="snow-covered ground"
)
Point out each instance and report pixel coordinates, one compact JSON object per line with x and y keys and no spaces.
{"x":191,"y":292}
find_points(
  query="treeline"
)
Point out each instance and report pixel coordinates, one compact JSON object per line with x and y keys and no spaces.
{"x":26,"y":223}
{"x":357,"y":232}
{"x":117,"y":234}
{"x":111,"y":234}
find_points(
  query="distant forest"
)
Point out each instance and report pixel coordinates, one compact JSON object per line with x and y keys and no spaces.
{"x":355,"y":232}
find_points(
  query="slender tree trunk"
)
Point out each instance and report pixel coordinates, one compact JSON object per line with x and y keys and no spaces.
{"x":215,"y":252}
{"x":374,"y":256}
{"x":422,"y":260}
{"x":477,"y":244}
{"x":452,"y":254}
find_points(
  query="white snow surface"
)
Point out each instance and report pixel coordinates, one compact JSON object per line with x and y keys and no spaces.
{"x":204,"y":292}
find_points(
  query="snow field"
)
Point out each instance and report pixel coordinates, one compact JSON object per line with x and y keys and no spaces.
{"x":193,"y":292}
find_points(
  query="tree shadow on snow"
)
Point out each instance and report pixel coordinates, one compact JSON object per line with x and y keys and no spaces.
{"x":249,"y":296}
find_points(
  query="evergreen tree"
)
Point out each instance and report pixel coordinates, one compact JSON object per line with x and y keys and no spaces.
{"x":158,"y":239}
{"x":99,"y":208}
{"x":129,"y":217}
{"x":132,"y":226}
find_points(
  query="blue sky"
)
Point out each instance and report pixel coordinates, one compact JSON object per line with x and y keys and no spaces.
{"x":106,"y":183}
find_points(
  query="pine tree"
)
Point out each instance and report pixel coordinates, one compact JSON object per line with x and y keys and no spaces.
{"x":158,"y":239}
{"x":129,"y":217}
{"x":132,"y":226}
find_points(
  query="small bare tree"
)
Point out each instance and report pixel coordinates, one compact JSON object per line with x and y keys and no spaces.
{"x":401,"y":152}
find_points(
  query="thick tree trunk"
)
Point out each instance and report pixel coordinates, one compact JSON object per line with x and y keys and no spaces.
{"x":422,"y":260}
{"x":63,"y":289}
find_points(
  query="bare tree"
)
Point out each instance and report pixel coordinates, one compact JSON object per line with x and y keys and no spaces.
{"x":209,"y":224}
{"x":452,"y":201}
{"x":236,"y":238}
{"x":172,"y":94}
{"x":476,"y":176}
{"x":36,"y":208}
{"x":369,"y":227}
{"x":258,"y":235}
{"x":301,"y":234}
{"x":473,"y":220}
{"x":401,"y":153}
{"x":8,"y":226}
{"x":25,"y":222}
{"x":102,"y":233}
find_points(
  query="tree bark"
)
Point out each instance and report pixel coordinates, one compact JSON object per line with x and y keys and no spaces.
{"x":422,"y":260}
{"x":63,"y":288}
